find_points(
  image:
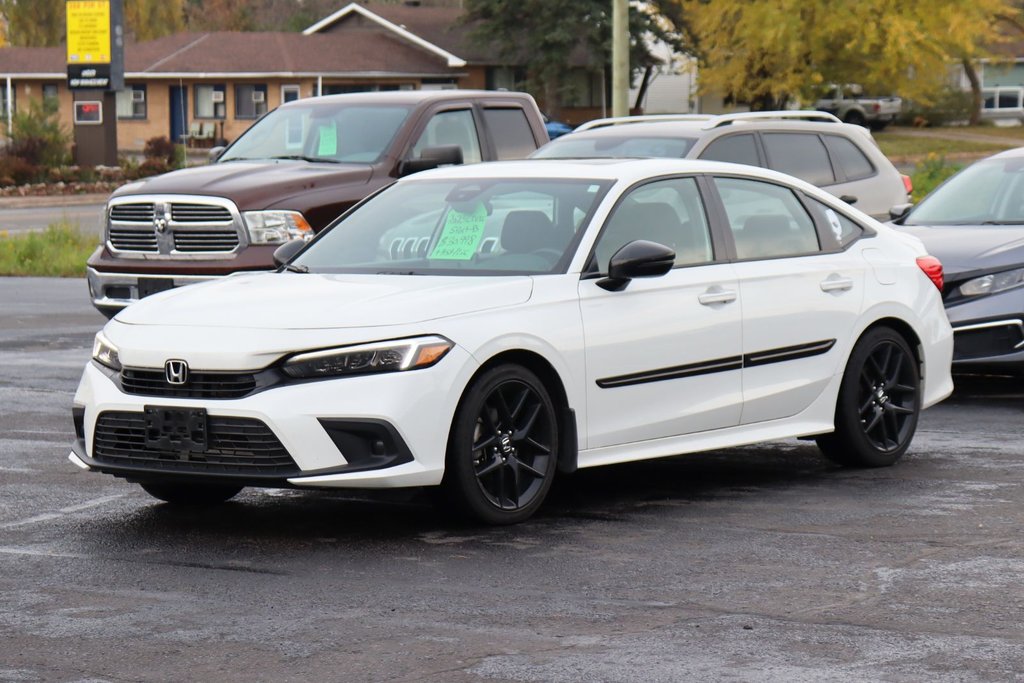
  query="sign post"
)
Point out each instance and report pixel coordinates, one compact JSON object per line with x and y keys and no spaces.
{"x":95,"y":59}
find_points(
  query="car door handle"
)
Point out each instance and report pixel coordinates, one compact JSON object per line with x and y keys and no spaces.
{"x":717,"y":295}
{"x":836,"y":283}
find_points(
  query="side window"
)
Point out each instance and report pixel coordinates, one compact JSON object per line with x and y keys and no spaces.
{"x":767,"y":220}
{"x":850,"y":158}
{"x":451,"y":128}
{"x":736,"y":149}
{"x":668,"y":212}
{"x":845,"y":230}
{"x":799,"y":154}
{"x":513,"y":138}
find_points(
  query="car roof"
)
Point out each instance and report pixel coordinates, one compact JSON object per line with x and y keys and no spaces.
{"x":616,"y":169}
{"x":1014,"y":153}
{"x":698,"y":129}
{"x":406,"y":97}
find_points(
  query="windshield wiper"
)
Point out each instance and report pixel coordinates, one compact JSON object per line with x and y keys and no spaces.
{"x":1002,"y":222}
{"x":292,"y":268}
{"x":300,"y":157}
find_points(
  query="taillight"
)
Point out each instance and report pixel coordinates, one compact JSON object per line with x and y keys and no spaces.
{"x":908,"y":184}
{"x":932,"y":267}
{"x":877,"y":107}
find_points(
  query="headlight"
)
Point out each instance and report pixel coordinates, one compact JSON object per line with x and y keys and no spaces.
{"x":391,"y":356}
{"x":996,"y":282}
{"x":276,"y":227}
{"x":105,"y":353}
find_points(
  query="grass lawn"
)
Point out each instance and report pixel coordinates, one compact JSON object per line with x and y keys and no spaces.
{"x":60,"y":251}
{"x":895,"y":145}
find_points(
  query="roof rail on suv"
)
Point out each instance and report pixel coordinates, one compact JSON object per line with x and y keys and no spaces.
{"x":803,"y":114}
{"x":713,"y":120}
{"x":647,"y":118}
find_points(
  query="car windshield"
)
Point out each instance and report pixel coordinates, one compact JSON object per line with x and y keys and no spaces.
{"x":460,"y":227}
{"x":320,"y":132}
{"x":987,"y":193}
{"x":573,"y":147}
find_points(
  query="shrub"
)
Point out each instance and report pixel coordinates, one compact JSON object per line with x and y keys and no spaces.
{"x":60,"y":251}
{"x":17,"y":171}
{"x":952,"y":106}
{"x":160,"y":149}
{"x":930,"y":174}
{"x":152,"y":167}
{"x":38,"y":137}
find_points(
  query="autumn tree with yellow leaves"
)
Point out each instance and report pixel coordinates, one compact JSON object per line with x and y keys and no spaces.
{"x":771,"y":52}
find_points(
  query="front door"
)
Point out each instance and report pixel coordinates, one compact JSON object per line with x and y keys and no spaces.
{"x":179,"y":113}
{"x":663,"y":355}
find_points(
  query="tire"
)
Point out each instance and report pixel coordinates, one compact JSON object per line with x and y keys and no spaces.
{"x":854,"y":117}
{"x":191,"y":494}
{"x":502,"y":448}
{"x":878,"y":125}
{"x":879,"y":403}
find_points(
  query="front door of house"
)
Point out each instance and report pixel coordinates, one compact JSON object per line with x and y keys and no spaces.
{"x":179,"y":113}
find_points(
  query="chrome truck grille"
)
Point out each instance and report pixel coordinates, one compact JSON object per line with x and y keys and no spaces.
{"x":174,"y":226}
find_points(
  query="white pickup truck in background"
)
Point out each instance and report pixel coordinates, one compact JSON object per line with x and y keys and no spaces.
{"x":851,"y":105}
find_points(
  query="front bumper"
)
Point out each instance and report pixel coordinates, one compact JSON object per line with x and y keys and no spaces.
{"x":989,"y":333}
{"x":312,"y":421}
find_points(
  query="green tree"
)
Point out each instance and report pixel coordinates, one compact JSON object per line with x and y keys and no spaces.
{"x":546,"y":35}
{"x":34,"y":23}
{"x":772,"y":51}
{"x":149,"y":19}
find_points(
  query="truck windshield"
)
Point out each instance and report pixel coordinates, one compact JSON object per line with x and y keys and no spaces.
{"x":316,"y":132}
{"x":489,"y":226}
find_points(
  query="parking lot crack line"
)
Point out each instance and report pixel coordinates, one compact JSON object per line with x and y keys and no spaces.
{"x":71,"y":509}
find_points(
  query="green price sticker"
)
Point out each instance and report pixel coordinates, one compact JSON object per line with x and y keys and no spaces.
{"x":461,"y":235}
{"x":328,"y":141}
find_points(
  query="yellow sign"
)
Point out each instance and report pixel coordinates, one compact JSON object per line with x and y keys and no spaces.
{"x":88,"y":31}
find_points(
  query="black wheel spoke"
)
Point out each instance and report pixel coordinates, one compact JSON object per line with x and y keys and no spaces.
{"x":524,"y":431}
{"x":902,"y":388}
{"x":504,"y":414}
{"x":900,"y":410}
{"x":530,"y":469}
{"x":875,"y":419}
{"x":486,"y":441}
{"x":544,"y":450}
{"x":520,"y":402}
{"x":865,"y":407}
{"x":894,"y":375}
{"x":892,"y":428}
{"x":494,"y":464}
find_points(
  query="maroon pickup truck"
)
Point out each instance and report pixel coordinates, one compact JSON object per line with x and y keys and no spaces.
{"x":289,"y":176}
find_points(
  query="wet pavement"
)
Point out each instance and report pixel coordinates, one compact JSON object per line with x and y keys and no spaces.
{"x":754,"y":564}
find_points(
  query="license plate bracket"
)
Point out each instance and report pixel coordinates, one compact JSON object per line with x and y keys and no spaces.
{"x":179,"y":430}
{"x":153,"y":285}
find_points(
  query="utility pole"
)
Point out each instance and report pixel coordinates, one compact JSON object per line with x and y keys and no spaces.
{"x":620,"y":57}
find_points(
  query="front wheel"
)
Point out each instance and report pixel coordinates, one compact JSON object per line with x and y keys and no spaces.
{"x":879,"y":403}
{"x":502,"y":448}
{"x":191,"y":494}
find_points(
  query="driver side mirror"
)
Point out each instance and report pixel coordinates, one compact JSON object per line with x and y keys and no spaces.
{"x":899,"y":211}
{"x":639,"y":258}
{"x":432,"y":157}
{"x":284,"y":253}
{"x":215,"y":153}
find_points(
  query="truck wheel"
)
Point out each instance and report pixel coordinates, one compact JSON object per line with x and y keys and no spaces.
{"x":878,"y":125}
{"x":854,"y":117}
{"x":503,"y":447}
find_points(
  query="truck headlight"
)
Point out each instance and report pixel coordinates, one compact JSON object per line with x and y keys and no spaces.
{"x":276,"y":227}
{"x":993,"y":283}
{"x":105,"y":353}
{"x":390,"y":356}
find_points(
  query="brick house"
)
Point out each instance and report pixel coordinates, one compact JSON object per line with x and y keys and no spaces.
{"x":214,"y":85}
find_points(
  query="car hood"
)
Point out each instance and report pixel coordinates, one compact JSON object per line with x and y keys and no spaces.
{"x":966,"y":248}
{"x":252,"y":185}
{"x":296,"y":301}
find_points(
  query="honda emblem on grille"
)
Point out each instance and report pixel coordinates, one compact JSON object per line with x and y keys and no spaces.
{"x":176,"y":371}
{"x":160,"y":217}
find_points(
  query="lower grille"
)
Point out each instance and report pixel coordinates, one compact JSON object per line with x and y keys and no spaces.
{"x":988,"y":341}
{"x":217,"y":385}
{"x":235,"y":445}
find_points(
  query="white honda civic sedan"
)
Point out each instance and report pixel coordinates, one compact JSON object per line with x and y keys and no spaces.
{"x":485,"y":328}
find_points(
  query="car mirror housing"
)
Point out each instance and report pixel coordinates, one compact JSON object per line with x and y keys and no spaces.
{"x":432,"y":157}
{"x":284,"y":253}
{"x":899,"y":211}
{"x":639,"y":258}
{"x":216,"y":152}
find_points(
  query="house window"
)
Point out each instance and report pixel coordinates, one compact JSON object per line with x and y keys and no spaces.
{"x":290,"y":93}
{"x":210,"y":102}
{"x":3,"y":101}
{"x":131,"y":102}
{"x":250,"y":101}
{"x":49,"y":91}
{"x":583,"y":89}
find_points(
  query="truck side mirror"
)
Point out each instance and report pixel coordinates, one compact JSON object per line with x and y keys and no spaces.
{"x":215,"y":153}
{"x":432,"y":157}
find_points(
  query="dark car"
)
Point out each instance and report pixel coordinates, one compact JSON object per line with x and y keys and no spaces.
{"x":974,"y":224}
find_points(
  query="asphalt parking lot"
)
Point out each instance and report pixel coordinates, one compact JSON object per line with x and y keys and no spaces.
{"x":754,"y":564}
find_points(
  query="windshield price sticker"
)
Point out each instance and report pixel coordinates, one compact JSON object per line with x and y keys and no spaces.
{"x":328,"y":141}
{"x":833,"y":221}
{"x":461,"y":235}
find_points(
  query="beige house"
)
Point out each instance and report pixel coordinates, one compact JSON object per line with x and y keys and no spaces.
{"x":202,"y":87}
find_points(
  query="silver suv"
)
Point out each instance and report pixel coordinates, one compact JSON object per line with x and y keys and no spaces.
{"x":840,"y":158}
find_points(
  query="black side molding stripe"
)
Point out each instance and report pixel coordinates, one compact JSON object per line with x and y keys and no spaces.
{"x":779,"y":355}
{"x":787,"y":353}
{"x":676,"y":372}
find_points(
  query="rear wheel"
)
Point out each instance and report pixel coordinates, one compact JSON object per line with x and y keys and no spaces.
{"x":854,"y":117}
{"x":191,"y":494}
{"x":879,"y":403}
{"x":503,"y":447}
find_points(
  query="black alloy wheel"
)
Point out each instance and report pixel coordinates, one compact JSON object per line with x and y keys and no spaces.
{"x":191,"y":494}
{"x":879,"y":402}
{"x":503,"y":447}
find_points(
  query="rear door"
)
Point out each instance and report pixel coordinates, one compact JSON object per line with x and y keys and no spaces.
{"x":801,"y":295}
